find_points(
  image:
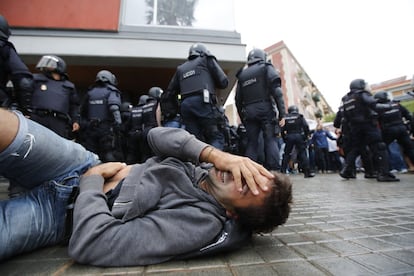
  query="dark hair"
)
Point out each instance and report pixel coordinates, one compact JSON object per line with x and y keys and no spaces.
{"x":274,"y":211}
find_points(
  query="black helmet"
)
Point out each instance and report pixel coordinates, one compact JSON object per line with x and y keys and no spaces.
{"x":358,"y":84}
{"x":4,"y":28}
{"x":293,"y":109}
{"x":143,"y":99}
{"x":125,"y":106}
{"x":256,"y":55}
{"x":107,"y":77}
{"x":52,"y":63}
{"x":196,"y":50}
{"x":155,"y":92}
{"x":382,"y":96}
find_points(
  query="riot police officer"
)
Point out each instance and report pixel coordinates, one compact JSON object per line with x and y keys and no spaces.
{"x":134,"y":130}
{"x":344,"y":143}
{"x":258,"y":91}
{"x":103,"y":117}
{"x":360,"y":110}
{"x":13,"y":69}
{"x":197,"y":80}
{"x":392,"y":124}
{"x":295,"y":133}
{"x":55,"y":101}
{"x":151,"y":117}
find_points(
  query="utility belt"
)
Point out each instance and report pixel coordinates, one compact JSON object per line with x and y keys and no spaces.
{"x":51,"y":113}
{"x":94,"y":122}
{"x":256,"y":101}
{"x":195,"y":93}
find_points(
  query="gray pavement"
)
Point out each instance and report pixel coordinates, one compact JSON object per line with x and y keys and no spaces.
{"x":337,"y":227}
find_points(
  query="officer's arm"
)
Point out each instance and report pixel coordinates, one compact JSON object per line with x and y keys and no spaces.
{"x":220,"y":78}
{"x":373,"y":104}
{"x":116,"y":113}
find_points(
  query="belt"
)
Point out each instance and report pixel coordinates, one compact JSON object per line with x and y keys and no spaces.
{"x":51,"y":113}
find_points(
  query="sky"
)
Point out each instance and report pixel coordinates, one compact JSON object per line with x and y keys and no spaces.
{"x":335,"y":41}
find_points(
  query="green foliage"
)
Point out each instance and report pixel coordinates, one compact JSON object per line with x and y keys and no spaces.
{"x":409,"y":105}
{"x":329,"y":117}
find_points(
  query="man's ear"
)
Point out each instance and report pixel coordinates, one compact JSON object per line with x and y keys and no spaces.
{"x":231,"y":214}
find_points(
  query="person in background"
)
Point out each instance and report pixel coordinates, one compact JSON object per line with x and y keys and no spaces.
{"x":55,"y":102}
{"x":320,"y":141}
{"x":196,"y":82}
{"x":392,"y":124}
{"x":360,"y":110}
{"x":18,"y":94}
{"x":258,"y":92}
{"x":295,"y":133}
{"x":101,"y":109}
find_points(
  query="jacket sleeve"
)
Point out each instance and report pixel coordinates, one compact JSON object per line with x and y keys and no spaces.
{"x":220,"y":78}
{"x":175,"y":142}
{"x":274,"y":86}
{"x":100,"y":239}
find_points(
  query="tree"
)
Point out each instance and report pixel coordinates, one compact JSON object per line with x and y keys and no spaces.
{"x":172,"y":12}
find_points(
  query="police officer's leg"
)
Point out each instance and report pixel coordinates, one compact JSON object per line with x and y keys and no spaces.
{"x":406,"y":144}
{"x":303,"y":158}
{"x":286,"y":155}
{"x":271,"y":147}
{"x":192,"y":109}
{"x":253,"y":131}
{"x":212,"y":134}
{"x":106,"y":144}
{"x":380,"y":152}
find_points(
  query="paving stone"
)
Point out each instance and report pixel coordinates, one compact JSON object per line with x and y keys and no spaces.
{"x":345,"y":248}
{"x":297,"y":268}
{"x":405,"y":256}
{"x":312,"y":251}
{"x":382,"y":264}
{"x":278,"y":254}
{"x":336,"y":227}
{"x":262,"y":270}
{"x":342,"y":267}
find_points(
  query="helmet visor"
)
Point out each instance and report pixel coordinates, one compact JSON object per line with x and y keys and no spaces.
{"x":48,"y":62}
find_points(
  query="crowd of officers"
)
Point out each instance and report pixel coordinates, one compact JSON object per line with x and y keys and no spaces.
{"x":116,"y":130}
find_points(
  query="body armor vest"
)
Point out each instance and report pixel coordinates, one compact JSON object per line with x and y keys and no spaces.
{"x":392,"y":116}
{"x":149,"y":117}
{"x":293,"y":123}
{"x":51,"y":94}
{"x":136,"y":118}
{"x":253,"y":86}
{"x":354,"y":110}
{"x":194,"y":76}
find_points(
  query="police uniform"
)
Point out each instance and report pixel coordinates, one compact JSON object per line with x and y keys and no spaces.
{"x":102,"y":111}
{"x":393,"y":127}
{"x":197,"y":80}
{"x":295,"y":133}
{"x":360,"y":110}
{"x":13,"y":69}
{"x":55,"y":104}
{"x":134,"y":134}
{"x":344,"y":143}
{"x":258,"y":92}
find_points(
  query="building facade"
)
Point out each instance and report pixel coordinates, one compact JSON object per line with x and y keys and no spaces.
{"x":297,"y":86}
{"x":140,"y":41}
{"x":398,"y":88}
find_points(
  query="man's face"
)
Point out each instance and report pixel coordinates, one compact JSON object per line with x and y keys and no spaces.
{"x":223,"y":188}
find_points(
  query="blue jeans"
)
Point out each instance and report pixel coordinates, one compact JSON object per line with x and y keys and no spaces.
{"x":49,"y":166}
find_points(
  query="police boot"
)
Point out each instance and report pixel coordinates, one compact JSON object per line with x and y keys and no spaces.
{"x":384,"y":174}
{"x":347,"y":173}
{"x":387,"y":177}
{"x":308,"y":173}
{"x":370,"y":175}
